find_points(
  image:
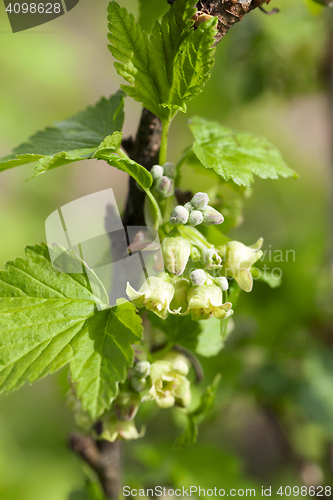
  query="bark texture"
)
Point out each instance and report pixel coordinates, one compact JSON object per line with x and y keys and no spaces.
{"x":105,"y":460}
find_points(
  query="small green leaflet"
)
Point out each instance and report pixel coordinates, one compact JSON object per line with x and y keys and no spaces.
{"x":205,"y":338}
{"x":210,"y":340}
{"x":181,"y":330}
{"x":236,"y":155}
{"x":197,"y":416}
{"x":49,"y":318}
{"x":71,"y":140}
{"x":169,"y":67}
{"x":267,"y":277}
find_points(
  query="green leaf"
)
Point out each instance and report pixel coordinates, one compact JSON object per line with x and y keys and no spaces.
{"x":169,"y":67}
{"x":49,"y":318}
{"x":74,"y":139}
{"x":197,"y":416}
{"x":210,"y":340}
{"x":138,"y":172}
{"x":102,"y":353}
{"x":267,"y":277}
{"x":180,"y":330}
{"x":236,"y":156}
{"x":149,"y":11}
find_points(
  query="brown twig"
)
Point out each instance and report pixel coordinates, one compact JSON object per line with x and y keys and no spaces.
{"x":229,"y":12}
{"x":104,"y":458}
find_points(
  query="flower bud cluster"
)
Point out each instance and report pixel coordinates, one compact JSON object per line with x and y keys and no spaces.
{"x":196,"y":212}
{"x":163,"y":177}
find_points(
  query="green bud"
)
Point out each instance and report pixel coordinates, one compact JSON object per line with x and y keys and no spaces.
{"x":189,"y":207}
{"x":176,"y":252}
{"x":198,"y":277}
{"x":179,"y":215}
{"x":222,"y":283}
{"x":195,"y":218}
{"x":211,"y":216}
{"x":156,"y":172}
{"x":142,"y":368}
{"x":200,"y":201}
{"x":195,"y":254}
{"x":127,"y":404}
{"x":210,"y":258}
{"x":165,"y":186}
{"x":170,"y":169}
{"x":139,"y":384}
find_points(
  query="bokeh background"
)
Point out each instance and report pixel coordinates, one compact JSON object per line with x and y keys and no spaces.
{"x":273,"y":420}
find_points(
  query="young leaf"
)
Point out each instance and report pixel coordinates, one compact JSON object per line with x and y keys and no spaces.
{"x":210,"y":340}
{"x":102,"y":352}
{"x":167,"y":68}
{"x":149,"y":11}
{"x":267,"y":277}
{"x":180,"y":330}
{"x":49,"y":318}
{"x":197,"y":416}
{"x":74,"y":139}
{"x":236,"y":156}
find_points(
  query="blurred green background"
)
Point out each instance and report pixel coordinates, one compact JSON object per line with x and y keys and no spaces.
{"x":273,"y":422}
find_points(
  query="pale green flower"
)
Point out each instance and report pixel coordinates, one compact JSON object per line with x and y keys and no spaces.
{"x":179,"y":302}
{"x":169,"y":385}
{"x":119,"y":429}
{"x":238,"y":259}
{"x":155,"y":295}
{"x":205,"y":301}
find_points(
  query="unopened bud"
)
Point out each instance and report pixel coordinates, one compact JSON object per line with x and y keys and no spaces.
{"x":211,"y":216}
{"x":189,"y":207}
{"x":195,"y":254}
{"x":139,"y":384}
{"x":179,"y":216}
{"x":176,"y":251}
{"x":170,"y":169}
{"x":200,"y":201}
{"x":198,"y":277}
{"x":222,"y":283}
{"x":210,"y":258}
{"x":165,"y":186}
{"x":195,"y":218}
{"x":142,"y":368}
{"x":156,"y":172}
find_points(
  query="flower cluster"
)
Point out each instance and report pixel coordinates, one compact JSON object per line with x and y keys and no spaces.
{"x":196,"y":273}
{"x":163,"y":177}
{"x":168,"y":386}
